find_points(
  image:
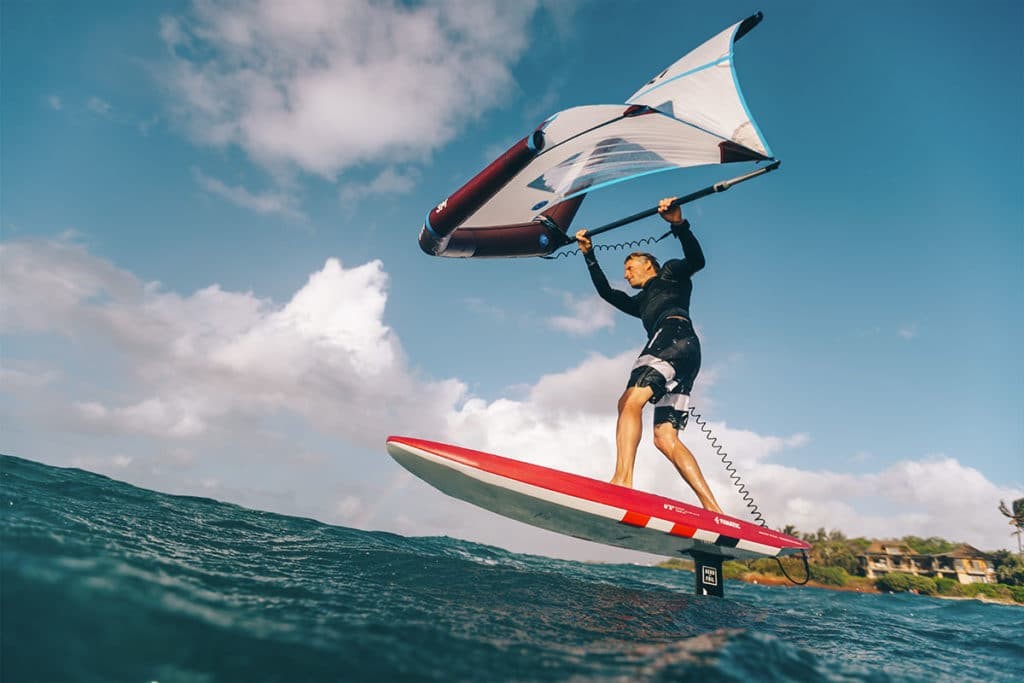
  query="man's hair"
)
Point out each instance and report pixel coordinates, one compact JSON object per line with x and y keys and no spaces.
{"x":650,"y":258}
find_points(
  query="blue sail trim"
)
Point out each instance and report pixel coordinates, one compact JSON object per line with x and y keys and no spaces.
{"x":616,"y":181}
{"x":682,"y":75}
{"x":430,"y":228}
{"x":746,"y":109}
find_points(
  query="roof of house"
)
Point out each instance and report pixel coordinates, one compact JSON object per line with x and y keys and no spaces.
{"x":964,"y":551}
{"x":889,"y":548}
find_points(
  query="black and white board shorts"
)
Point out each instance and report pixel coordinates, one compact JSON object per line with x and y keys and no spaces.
{"x":669,"y":365}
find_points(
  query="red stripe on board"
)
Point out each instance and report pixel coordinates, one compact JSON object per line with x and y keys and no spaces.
{"x":635,"y":519}
{"x":683,"y":530}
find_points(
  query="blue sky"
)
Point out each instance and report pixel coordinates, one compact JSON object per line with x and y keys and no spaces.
{"x":211,"y":281}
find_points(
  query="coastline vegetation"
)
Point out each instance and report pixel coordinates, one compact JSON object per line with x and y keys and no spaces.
{"x":833,"y":562}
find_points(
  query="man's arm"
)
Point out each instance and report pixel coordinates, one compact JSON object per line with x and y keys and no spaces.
{"x":615,"y":297}
{"x":693,"y":255}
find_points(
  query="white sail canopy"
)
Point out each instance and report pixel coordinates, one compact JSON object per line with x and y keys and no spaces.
{"x":701,"y":88}
{"x":691,"y":114}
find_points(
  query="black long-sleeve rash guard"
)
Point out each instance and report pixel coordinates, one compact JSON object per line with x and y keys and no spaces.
{"x":665,"y":294}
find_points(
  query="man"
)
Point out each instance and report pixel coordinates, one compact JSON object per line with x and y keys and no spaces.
{"x":667,"y":367}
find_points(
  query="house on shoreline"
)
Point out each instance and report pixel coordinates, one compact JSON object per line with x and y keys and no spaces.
{"x":965,"y":564}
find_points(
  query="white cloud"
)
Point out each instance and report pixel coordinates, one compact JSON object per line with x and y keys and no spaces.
{"x":861,"y":456}
{"x":592,"y":387}
{"x":148,"y":124}
{"x":59,"y":275}
{"x":113,"y":462}
{"x":586,"y":316}
{"x":24,"y":378}
{"x":172,"y":33}
{"x":216,"y":371}
{"x":909,"y":331}
{"x":933,"y":496}
{"x":481,"y":307}
{"x":98,"y":106}
{"x":157,"y":417}
{"x":206,"y":362}
{"x":269,"y":203}
{"x":55,"y":102}
{"x":348,"y":508}
{"x":539,"y":108}
{"x":388,"y":182}
{"x":323,"y":85}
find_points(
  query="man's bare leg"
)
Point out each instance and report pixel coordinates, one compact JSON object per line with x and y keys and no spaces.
{"x":666,"y":439}
{"x":627,"y":432}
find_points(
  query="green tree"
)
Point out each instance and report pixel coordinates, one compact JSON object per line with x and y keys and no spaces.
{"x":929,"y":546}
{"x":834,"y":549}
{"x":897,"y":582}
{"x":1009,"y":568}
{"x":817,"y":537}
{"x":1015,"y":513}
{"x":830,"y":576}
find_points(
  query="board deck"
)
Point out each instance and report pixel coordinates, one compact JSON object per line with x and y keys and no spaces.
{"x":586,"y":508}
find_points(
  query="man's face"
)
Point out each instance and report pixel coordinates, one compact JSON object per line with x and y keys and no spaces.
{"x":638,"y":271}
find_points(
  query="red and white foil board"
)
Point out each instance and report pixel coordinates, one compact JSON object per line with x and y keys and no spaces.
{"x":583,"y":507}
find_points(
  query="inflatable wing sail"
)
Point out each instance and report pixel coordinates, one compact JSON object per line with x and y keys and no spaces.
{"x":523,"y":203}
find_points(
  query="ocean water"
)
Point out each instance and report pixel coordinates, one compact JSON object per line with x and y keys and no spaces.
{"x":103,"y":581}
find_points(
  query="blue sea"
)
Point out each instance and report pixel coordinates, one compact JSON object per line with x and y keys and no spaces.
{"x":103,"y":581}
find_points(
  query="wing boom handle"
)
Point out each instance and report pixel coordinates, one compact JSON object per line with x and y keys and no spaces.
{"x":720,"y":186}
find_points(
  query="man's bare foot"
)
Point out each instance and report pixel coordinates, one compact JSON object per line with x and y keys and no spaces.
{"x":623,"y":482}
